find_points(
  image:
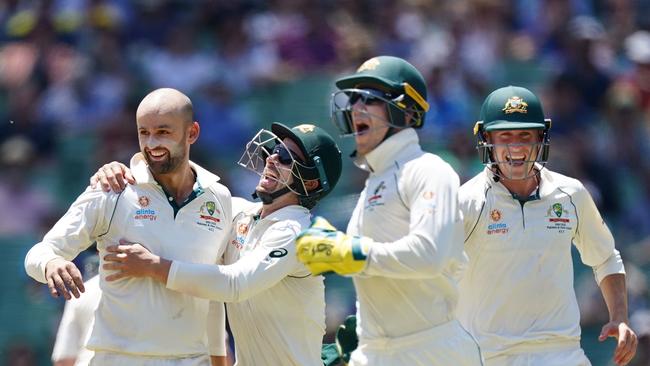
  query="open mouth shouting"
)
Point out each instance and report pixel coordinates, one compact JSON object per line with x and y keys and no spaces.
{"x":269,"y":178}
{"x":361,"y":128}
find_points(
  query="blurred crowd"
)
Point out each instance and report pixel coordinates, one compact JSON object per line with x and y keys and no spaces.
{"x":73,"y":71}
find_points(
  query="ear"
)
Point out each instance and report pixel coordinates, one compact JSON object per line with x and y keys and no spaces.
{"x":194,"y":131}
{"x":311,"y":184}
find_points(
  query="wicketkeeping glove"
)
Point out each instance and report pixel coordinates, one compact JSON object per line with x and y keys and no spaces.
{"x":324,"y":249}
{"x":346,"y":338}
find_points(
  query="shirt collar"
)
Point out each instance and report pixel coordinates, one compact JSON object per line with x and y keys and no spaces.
{"x":381,"y":157}
{"x":284,"y":213}
{"x":547,"y":184}
{"x":142,"y":174}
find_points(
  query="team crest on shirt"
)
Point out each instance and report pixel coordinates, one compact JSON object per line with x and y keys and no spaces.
{"x":209,"y":216}
{"x":558,"y":218}
{"x":497,"y":227}
{"x":376,"y":199}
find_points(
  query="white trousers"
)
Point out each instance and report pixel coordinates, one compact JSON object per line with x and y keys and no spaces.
{"x":542,"y":356}
{"x":114,"y":359}
{"x":444,"y":345}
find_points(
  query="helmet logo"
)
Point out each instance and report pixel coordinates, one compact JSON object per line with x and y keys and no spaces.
{"x":515,"y":104}
{"x":306,"y":128}
{"x":369,"y":65}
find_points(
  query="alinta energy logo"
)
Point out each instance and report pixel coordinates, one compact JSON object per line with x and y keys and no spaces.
{"x":497,"y":227}
{"x":145,"y":213}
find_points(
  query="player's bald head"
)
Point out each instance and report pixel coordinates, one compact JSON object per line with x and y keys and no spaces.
{"x":167,"y":101}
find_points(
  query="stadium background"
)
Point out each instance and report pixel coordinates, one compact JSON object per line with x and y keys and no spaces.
{"x":72,"y":73}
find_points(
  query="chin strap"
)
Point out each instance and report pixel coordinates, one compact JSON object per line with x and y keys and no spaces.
{"x":268,"y":198}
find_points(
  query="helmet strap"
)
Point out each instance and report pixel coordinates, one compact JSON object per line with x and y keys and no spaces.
{"x":268,"y":198}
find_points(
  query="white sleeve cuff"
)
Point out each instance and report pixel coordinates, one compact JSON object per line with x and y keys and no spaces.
{"x":613,"y":265}
{"x":36,"y":260}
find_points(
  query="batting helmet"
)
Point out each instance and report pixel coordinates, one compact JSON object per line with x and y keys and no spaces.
{"x":390,"y":79}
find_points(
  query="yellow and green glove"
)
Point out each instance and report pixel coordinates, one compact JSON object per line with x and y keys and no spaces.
{"x":322,"y":248}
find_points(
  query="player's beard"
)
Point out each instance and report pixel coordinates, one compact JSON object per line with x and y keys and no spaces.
{"x":171,"y":162}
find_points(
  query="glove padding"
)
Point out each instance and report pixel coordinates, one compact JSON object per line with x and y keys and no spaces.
{"x":324,"y":249}
{"x":346,"y":338}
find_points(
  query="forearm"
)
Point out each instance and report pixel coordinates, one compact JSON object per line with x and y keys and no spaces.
{"x":417,"y":255}
{"x":230,"y":283}
{"x":218,"y":360}
{"x":615,"y":295}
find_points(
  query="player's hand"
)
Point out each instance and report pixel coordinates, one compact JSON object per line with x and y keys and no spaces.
{"x":112,"y":177}
{"x":63,"y":278}
{"x":133,"y":260}
{"x":627,"y":341}
{"x":324,"y":249}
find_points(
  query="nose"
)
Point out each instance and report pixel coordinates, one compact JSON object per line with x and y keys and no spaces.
{"x":273,"y":158}
{"x":150,"y":141}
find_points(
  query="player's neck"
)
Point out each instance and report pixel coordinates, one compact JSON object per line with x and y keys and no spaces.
{"x":278,"y":203}
{"x":178,"y":184}
{"x":521,"y":187}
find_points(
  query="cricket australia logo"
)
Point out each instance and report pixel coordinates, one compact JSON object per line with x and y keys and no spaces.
{"x":555,"y":213}
{"x":558,"y":218}
{"x":497,"y":227}
{"x":515,"y":104}
{"x":209,"y":216}
{"x":376,"y":199}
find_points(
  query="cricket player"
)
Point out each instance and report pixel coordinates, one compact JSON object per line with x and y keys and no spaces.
{"x":276,"y":309}
{"x":77,"y":321}
{"x":521,"y":219}
{"x":404,"y":242}
{"x":75,"y":327}
{"x":180,"y":209}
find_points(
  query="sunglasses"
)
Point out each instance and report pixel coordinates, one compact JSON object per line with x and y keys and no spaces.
{"x":285,"y":156}
{"x":369,"y":96}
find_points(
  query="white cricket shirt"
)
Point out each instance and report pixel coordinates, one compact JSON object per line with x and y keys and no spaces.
{"x":518,"y":288}
{"x":409,"y":208}
{"x":139,"y":316}
{"x":276,"y":309}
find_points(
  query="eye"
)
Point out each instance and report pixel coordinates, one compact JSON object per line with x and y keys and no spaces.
{"x":144,"y":132}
